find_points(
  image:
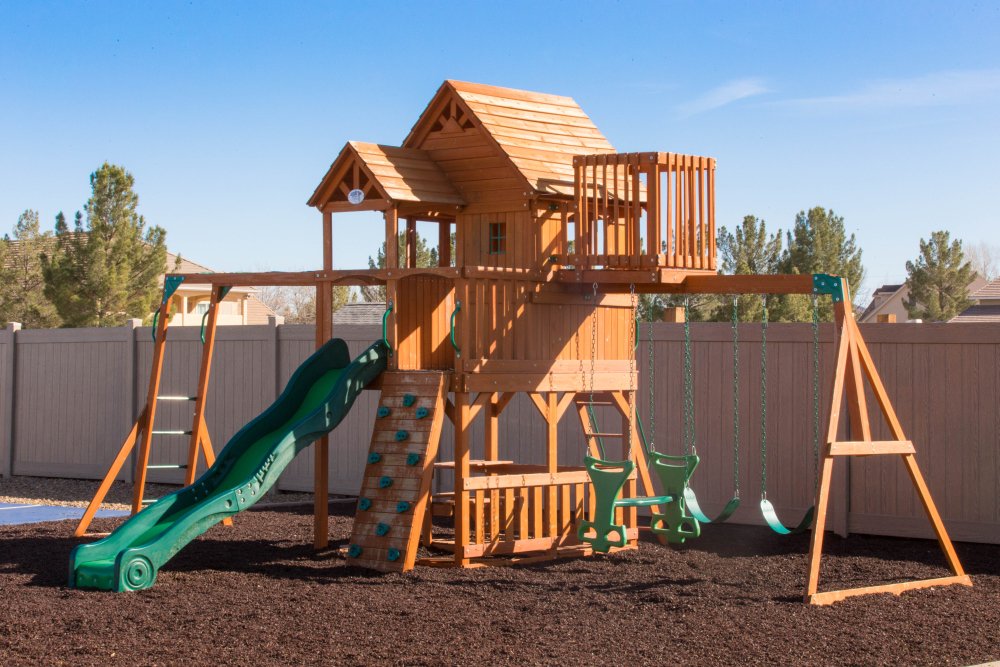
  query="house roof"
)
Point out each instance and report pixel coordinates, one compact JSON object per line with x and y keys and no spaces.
{"x":978,"y":314}
{"x":359,"y":313}
{"x":398,"y":174}
{"x":990,"y":290}
{"x":875,"y":303}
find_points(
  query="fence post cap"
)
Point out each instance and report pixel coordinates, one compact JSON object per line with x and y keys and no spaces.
{"x":133,"y":323}
{"x":13,"y":326}
{"x":275,"y":320}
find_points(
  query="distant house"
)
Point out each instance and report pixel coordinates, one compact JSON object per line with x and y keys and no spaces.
{"x":361,"y":312}
{"x":890,"y":300}
{"x":986,"y":306}
{"x":241,"y":306}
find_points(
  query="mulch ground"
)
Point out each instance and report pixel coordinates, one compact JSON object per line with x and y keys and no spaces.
{"x":258,"y":594}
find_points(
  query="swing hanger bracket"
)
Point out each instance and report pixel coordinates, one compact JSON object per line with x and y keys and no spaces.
{"x":824,"y":283}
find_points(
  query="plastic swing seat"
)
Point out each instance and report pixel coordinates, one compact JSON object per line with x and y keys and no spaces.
{"x":775,"y":524}
{"x":696,"y":511}
{"x":608,"y":478}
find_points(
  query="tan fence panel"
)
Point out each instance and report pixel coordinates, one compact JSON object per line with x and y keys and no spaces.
{"x":72,"y":393}
{"x":944,"y":380}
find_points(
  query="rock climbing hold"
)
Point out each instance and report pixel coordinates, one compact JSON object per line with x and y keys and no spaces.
{"x":422,"y":412}
{"x":354,"y":551}
{"x":393,"y":555}
{"x":364,"y":504}
{"x":384,"y":482}
{"x":412,"y":459}
{"x":374,"y":457}
{"x":402,"y":435}
{"x":383,"y":411}
{"x":402,"y":506}
{"x":409,"y":400}
{"x":382,"y":529}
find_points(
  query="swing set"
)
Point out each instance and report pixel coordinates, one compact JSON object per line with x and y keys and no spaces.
{"x":683,"y":516}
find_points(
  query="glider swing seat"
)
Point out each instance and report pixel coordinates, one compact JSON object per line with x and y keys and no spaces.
{"x":608,"y":477}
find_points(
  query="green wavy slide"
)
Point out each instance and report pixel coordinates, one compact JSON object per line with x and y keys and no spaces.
{"x":315,"y":400}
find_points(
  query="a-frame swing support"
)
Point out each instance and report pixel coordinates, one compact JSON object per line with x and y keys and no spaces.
{"x":853,"y":368}
{"x":141,"y":433}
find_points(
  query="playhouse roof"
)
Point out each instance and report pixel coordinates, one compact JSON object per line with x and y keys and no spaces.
{"x":399,"y":174}
{"x":539,"y":133}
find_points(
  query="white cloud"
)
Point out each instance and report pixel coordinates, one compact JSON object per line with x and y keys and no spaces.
{"x":723,"y":95}
{"x":938,"y":89}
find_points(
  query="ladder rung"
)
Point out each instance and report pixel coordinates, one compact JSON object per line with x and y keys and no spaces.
{"x":177,"y":398}
{"x":149,"y":501}
{"x":603,"y":435}
{"x":171,"y":432}
{"x":596,"y":402}
{"x":168,"y":466}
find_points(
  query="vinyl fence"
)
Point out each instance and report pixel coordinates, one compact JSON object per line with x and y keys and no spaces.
{"x":68,"y":397}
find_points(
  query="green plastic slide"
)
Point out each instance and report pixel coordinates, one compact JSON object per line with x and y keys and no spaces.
{"x":318,"y":395}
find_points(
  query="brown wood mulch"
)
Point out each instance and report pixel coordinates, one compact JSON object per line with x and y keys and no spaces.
{"x":258,"y":594}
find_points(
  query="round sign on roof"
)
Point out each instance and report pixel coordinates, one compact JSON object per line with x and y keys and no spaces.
{"x":356,"y":196}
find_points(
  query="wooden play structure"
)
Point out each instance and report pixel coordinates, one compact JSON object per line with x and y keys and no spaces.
{"x":555,"y":237}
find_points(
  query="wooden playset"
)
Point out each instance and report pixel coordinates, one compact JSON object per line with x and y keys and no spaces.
{"x":555,"y":237}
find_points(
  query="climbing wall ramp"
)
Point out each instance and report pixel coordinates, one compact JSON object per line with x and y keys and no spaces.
{"x":398,"y":471}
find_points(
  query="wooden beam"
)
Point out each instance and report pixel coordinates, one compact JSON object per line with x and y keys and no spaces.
{"x":870,"y":447}
{"x":829,"y":597}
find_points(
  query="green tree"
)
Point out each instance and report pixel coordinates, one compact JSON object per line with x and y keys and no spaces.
{"x":427,"y":256}
{"x":108,"y":271}
{"x":748,"y":250}
{"x":938,"y":279}
{"x":818,"y":243}
{"x":22,"y":285}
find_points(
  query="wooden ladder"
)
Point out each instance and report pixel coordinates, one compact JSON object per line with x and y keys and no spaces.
{"x":396,"y":489}
{"x":142,"y":431}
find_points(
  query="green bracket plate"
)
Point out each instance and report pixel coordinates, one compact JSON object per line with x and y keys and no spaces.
{"x":824,"y":283}
{"x":170,"y":285}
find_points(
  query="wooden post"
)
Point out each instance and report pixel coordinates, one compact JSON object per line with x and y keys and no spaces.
{"x":7,"y":409}
{"x":673,"y":315}
{"x":321,"y":449}
{"x":463,"y":427}
{"x":552,"y":463}
{"x":149,"y":414}
{"x":444,"y":243}
{"x":199,"y":428}
{"x":391,"y":238}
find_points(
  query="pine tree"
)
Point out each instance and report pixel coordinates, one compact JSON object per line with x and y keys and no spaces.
{"x":107,"y":272}
{"x":818,"y":243}
{"x":748,"y":250}
{"x":938,"y":280}
{"x":22,"y":286}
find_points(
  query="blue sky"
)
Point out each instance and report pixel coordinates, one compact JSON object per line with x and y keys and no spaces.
{"x":228,"y":114}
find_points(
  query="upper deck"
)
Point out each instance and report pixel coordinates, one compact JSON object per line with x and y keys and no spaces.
{"x":642,"y":210}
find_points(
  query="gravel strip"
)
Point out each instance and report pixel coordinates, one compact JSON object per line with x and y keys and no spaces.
{"x":78,"y":492}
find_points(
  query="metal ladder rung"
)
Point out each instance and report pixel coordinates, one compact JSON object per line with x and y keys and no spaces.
{"x":149,"y":501}
{"x":170,"y":432}
{"x":168,"y":466}
{"x":177,"y":398}
{"x":603,"y":435}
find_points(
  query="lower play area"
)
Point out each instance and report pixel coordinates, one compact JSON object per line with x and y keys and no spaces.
{"x":259,"y":592}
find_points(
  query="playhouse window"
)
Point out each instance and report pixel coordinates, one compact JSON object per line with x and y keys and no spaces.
{"x":498,"y":238}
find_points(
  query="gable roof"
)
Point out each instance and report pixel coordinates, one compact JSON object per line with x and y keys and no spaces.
{"x":886,"y":292}
{"x":990,"y":290}
{"x":538,"y":133}
{"x":398,"y":174}
{"x":978,"y":314}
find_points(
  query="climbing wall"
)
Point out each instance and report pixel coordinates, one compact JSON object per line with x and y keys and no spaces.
{"x":397,"y":481}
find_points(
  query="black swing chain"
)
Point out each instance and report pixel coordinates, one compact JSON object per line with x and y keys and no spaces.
{"x":632,"y":405}
{"x":763,"y":401}
{"x":736,"y":398}
{"x":651,"y":442}
{"x":690,"y":446}
{"x":815,"y":360}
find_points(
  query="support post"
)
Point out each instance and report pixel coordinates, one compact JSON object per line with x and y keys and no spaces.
{"x":463,"y":428}
{"x":149,"y":414}
{"x":321,"y":449}
{"x":7,"y":409}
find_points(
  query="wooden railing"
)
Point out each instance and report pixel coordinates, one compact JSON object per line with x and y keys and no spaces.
{"x":643,"y":210}
{"x":521,"y":511}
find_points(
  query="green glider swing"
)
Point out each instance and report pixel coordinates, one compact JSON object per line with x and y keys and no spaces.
{"x":608,"y":478}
